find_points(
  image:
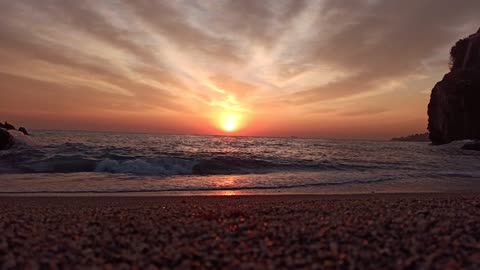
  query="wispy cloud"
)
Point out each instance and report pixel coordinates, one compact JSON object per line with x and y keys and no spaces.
{"x":192,"y":57}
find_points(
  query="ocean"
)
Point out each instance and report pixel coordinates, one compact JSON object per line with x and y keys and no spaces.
{"x":97,"y":162}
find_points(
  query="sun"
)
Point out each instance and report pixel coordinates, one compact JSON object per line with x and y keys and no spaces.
{"x":229,"y":126}
{"x":229,"y":122}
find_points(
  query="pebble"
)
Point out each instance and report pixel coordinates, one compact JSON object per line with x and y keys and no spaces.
{"x":374,"y":231}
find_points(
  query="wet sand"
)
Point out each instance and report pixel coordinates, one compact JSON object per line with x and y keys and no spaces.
{"x":377,"y":231}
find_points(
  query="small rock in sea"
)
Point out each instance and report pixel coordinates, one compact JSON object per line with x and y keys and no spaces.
{"x":8,"y":126}
{"x":23,"y":130}
{"x":6,"y":140}
{"x":472,"y":146}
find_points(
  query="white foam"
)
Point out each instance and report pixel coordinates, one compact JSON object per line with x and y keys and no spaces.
{"x":158,"y":166}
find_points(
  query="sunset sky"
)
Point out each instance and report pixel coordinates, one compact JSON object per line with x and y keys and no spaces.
{"x":332,"y":69}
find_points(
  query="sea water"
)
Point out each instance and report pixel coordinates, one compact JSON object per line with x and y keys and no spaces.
{"x":73,"y":161}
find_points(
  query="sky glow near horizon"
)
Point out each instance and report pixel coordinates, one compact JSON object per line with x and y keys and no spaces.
{"x":342,"y":69}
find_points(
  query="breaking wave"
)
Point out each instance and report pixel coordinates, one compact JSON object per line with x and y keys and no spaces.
{"x":145,"y":166}
{"x":170,"y":155}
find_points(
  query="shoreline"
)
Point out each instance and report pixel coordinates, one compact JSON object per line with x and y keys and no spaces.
{"x":219,"y":193}
{"x":361,"y":231}
{"x":404,"y":186}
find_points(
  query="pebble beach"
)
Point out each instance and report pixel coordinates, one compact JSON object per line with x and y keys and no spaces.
{"x":374,"y":231}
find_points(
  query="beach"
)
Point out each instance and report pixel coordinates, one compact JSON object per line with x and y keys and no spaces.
{"x":368,"y":231}
{"x":229,"y":134}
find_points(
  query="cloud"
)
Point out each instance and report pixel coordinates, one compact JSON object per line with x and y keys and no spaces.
{"x":383,"y":40}
{"x":168,"y":21}
{"x":84,"y":16}
{"x":231,"y":85}
{"x":364,"y":112}
{"x":188,"y":57}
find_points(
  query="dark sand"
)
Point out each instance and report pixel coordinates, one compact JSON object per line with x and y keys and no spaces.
{"x":410,"y":231}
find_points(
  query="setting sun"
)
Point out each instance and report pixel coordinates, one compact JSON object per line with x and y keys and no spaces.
{"x":229,"y":126}
{"x":229,"y":122}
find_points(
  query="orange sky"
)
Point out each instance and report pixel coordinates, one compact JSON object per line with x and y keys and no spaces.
{"x":334,"y":69}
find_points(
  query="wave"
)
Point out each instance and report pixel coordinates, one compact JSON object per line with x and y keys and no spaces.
{"x":155,"y":155}
{"x":162,"y":166}
{"x":151,"y":166}
{"x":26,"y":157}
{"x":18,"y":162}
{"x":34,"y":161}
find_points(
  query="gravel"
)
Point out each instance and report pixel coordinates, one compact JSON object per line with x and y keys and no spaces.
{"x":378,"y":231}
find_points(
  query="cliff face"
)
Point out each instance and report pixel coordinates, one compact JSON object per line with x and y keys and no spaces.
{"x":454,"y":108}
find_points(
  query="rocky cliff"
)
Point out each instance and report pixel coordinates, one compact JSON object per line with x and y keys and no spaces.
{"x":454,"y":108}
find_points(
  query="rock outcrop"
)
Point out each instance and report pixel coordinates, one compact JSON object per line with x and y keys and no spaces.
{"x":23,"y":130}
{"x":6,"y":140}
{"x":8,"y":126}
{"x":454,"y":108}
